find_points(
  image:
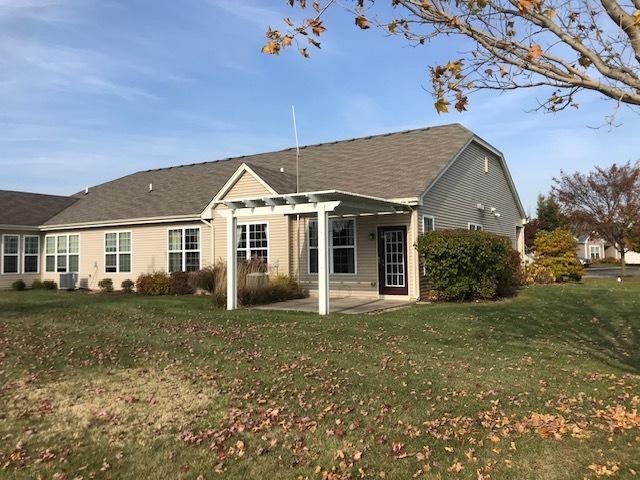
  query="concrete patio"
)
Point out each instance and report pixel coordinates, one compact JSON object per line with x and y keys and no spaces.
{"x":351,"y":305}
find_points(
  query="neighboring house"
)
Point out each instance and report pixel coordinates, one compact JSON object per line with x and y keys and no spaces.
{"x":594,"y":248}
{"x":373,"y":197}
{"x":590,"y":246}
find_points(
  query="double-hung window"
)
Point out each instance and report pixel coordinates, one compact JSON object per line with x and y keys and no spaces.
{"x":62,"y":253}
{"x":342,"y":246}
{"x":117,"y":252}
{"x":253,"y":242}
{"x":184,"y":249}
{"x":475,"y":226}
{"x":428,"y":223}
{"x":10,"y":253}
{"x":31,"y":249}
{"x":594,"y":251}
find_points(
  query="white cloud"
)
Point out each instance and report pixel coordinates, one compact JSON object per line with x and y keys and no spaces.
{"x":248,"y":12}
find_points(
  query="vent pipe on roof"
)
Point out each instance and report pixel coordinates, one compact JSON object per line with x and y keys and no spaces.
{"x":151,"y":187}
{"x":86,"y":190}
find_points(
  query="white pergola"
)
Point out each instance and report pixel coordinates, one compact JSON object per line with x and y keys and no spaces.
{"x":325,"y":203}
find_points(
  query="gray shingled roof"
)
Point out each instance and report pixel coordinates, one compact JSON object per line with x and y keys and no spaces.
{"x":394,"y":165}
{"x":30,"y":209}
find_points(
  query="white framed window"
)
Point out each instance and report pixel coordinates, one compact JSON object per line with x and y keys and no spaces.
{"x":62,"y":253}
{"x":10,"y":253}
{"x":253,"y":241}
{"x":594,"y":252}
{"x":31,"y":254}
{"x":476,"y":226}
{"x":428,"y":223}
{"x":342,"y":246}
{"x":117,"y":252}
{"x":183,"y":249}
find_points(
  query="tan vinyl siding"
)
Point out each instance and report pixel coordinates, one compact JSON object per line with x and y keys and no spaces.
{"x":148,"y":251}
{"x":453,"y":199}
{"x":278,"y":225}
{"x":246,"y":186}
{"x":6,"y":279}
{"x":365,"y":280}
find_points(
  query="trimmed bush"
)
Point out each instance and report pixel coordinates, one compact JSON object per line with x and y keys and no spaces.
{"x":278,"y":289}
{"x":556,"y":251}
{"x":105,"y":285}
{"x":606,"y":261}
{"x":18,"y":285}
{"x":205,"y":278}
{"x":537,"y":274}
{"x":468,"y":265}
{"x":179,"y":284}
{"x":37,"y":285}
{"x":127,"y":286}
{"x":49,"y":285}
{"x":156,"y":283}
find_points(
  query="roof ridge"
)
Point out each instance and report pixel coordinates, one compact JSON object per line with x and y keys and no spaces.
{"x":302,"y":147}
{"x":36,"y":193}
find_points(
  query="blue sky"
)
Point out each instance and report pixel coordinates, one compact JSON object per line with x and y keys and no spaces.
{"x":91,"y":90}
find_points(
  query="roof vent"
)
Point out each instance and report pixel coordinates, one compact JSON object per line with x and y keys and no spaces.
{"x":86,"y":190}
{"x":151,"y":187}
{"x":281,"y":169}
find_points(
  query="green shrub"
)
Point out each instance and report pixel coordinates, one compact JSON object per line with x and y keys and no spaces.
{"x":127,"y":286}
{"x":156,"y":283}
{"x":18,"y":285}
{"x":179,"y":284}
{"x":556,"y":251}
{"x":36,"y":285}
{"x":106,"y":285}
{"x":466,"y":265}
{"x":49,"y":285}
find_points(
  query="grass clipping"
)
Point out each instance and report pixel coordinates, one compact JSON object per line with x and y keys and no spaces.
{"x":125,"y":405}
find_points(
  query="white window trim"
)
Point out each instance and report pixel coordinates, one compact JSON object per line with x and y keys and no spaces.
{"x":183,"y":250}
{"x":433,"y":220}
{"x":117,"y":252}
{"x":55,"y":255}
{"x":470,"y":224}
{"x":247,"y":249}
{"x":18,"y":262}
{"x":25,"y":255}
{"x":330,"y":230}
{"x":591,"y":251}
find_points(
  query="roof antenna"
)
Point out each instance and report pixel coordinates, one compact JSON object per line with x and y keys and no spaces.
{"x":295,"y":131}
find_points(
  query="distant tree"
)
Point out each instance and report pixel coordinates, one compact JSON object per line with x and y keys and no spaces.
{"x":606,"y":201}
{"x":548,"y":212}
{"x":530,"y":230}
{"x":564,"y":46}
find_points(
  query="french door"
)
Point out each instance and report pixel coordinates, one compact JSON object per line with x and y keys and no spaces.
{"x":392,"y":260}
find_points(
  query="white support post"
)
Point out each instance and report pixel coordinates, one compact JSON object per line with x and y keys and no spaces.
{"x":232,"y":263}
{"x":323,"y":261}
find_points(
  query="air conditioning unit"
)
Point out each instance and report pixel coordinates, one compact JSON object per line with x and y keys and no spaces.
{"x":68,"y":281}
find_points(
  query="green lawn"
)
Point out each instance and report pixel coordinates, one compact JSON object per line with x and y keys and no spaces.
{"x":544,"y":386}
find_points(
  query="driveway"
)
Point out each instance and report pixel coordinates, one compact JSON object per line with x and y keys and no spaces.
{"x":613,"y":271}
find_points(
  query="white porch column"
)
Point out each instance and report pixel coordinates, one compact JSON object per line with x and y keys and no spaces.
{"x":323,"y":261}
{"x":232,"y":263}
